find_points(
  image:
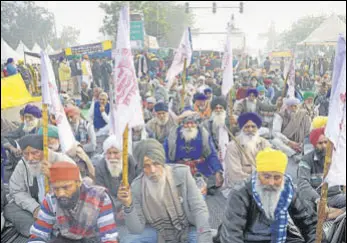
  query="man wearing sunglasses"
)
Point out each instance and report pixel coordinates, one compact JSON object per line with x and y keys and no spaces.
{"x":310,"y":176}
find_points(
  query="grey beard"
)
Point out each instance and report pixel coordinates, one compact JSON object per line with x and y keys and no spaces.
{"x":218,"y":119}
{"x":189,"y":134}
{"x":161,"y":122}
{"x":116,"y":168}
{"x":252,"y":106}
{"x":269,"y":197}
{"x":250,"y":142}
{"x":156,"y":189}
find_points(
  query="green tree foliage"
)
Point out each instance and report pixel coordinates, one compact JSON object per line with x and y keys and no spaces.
{"x":165,"y":20}
{"x":68,"y":37}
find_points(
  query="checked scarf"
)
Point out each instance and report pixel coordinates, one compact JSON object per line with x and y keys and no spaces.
{"x":279,"y":226}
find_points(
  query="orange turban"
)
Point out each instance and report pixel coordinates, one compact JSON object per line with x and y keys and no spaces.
{"x":315,"y":134}
{"x":64,"y":171}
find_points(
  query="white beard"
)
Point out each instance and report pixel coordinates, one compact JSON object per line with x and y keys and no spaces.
{"x":219,"y":119}
{"x":156,"y":189}
{"x":29,"y":126}
{"x":189,"y":134}
{"x":115,"y":167}
{"x":251,"y":106}
{"x":249,"y":141}
{"x":34,"y":167}
{"x":268,"y":198}
{"x":162,"y":122}
{"x":55,"y":147}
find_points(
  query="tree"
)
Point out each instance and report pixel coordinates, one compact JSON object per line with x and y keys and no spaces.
{"x":68,"y":37}
{"x":164,"y":20}
{"x":24,"y":20}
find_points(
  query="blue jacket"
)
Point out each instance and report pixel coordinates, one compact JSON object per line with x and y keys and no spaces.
{"x":98,"y":120}
{"x":11,"y":69}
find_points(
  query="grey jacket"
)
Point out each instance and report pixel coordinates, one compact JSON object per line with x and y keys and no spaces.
{"x":21,"y":181}
{"x":193,"y":204}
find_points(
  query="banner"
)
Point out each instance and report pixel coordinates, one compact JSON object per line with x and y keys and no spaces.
{"x":126,"y":101}
{"x":227,"y":66}
{"x":51,"y":97}
{"x":336,"y":126}
{"x":184,"y":51}
{"x":89,"y":48}
{"x":14,"y":92}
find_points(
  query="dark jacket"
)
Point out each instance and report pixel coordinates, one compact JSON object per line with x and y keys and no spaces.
{"x":244,"y":222}
{"x":104,"y":178}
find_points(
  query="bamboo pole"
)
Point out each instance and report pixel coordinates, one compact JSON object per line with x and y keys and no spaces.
{"x":125,"y":179}
{"x":45,"y":140}
{"x":286,"y":81}
{"x":184,"y":76}
{"x":324,"y":195}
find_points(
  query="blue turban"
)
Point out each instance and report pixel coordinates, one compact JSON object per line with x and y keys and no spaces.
{"x":252,"y":91}
{"x":9,"y":60}
{"x":200,"y":96}
{"x":61,"y":59}
{"x":161,"y":106}
{"x":261,"y":88}
{"x":33,"y":110}
{"x":249,"y":116}
{"x":207,"y":90}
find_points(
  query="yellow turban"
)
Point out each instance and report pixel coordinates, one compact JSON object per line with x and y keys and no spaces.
{"x":270,"y":160}
{"x":319,"y":121}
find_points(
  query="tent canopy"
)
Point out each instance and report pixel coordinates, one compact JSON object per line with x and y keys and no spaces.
{"x":327,"y":33}
{"x":7,"y":52}
{"x":49,"y":49}
{"x":21,"y":48}
{"x":36,"y":48}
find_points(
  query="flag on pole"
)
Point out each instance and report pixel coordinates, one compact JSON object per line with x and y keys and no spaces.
{"x":184,"y":50}
{"x":291,"y":80}
{"x":126,"y":108}
{"x":336,"y":126}
{"x":50,"y":96}
{"x":227,"y":66}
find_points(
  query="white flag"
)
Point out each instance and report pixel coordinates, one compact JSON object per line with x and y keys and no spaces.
{"x":291,"y":80}
{"x":127,"y":108}
{"x":50,"y":96}
{"x":227,"y":65}
{"x":336,"y":126}
{"x":183,"y":51}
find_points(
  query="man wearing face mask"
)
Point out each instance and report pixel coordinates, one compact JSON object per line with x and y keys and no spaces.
{"x":79,"y":211}
{"x":310,"y":177}
{"x":109,"y":170}
{"x":27,"y":183}
{"x":159,"y":127}
{"x":240,"y":164}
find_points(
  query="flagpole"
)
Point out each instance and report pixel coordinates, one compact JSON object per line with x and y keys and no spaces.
{"x":125,"y":179}
{"x":286,"y":81}
{"x":184,"y":76}
{"x":231,"y":108}
{"x":45,"y":140}
{"x":324,"y":195}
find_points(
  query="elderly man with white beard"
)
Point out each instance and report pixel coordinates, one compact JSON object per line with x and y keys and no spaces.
{"x":192,"y":145}
{"x":308,"y":104}
{"x":164,"y":204}
{"x":258,"y":211}
{"x":159,"y":127}
{"x":108,"y":171}
{"x":239,"y":164}
{"x":27,"y":184}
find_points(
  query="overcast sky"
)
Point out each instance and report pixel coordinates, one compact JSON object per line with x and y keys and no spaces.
{"x":257,"y":16}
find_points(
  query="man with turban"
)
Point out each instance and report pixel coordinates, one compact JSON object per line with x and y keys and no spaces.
{"x":270,"y":91}
{"x":310,"y":177}
{"x":83,"y":130}
{"x":202,"y":106}
{"x":290,"y":127}
{"x":322,"y":100}
{"x":164,"y":203}
{"x":27,"y":183}
{"x":53,"y":138}
{"x":149,"y":109}
{"x":308,"y":105}
{"x":100,"y":113}
{"x":209,"y":94}
{"x":191,"y":144}
{"x":259,"y":210}
{"x":108,"y":171}
{"x":87,"y":75}
{"x":317,"y":122}
{"x":64,"y":75}
{"x":239,"y":163}
{"x":89,"y":207}
{"x":159,"y":127}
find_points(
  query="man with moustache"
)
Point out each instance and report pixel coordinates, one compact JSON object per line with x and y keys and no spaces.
{"x":100,"y":112}
{"x":164,"y":204}
{"x":191,"y":144}
{"x":159,"y":127}
{"x":310,"y":177}
{"x":109,"y":170}
{"x":239,"y":164}
{"x":308,"y":104}
{"x":202,"y":106}
{"x":258,"y":211}
{"x":27,"y":183}
{"x":80,"y":212}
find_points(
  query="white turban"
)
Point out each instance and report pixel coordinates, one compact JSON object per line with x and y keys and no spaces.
{"x":202,"y":78}
{"x":151,"y":100}
{"x":291,"y":101}
{"x":111,"y":142}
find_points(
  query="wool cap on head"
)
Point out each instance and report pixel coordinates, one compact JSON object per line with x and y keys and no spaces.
{"x":291,"y":101}
{"x":261,"y":88}
{"x":52,"y":131}
{"x":150,"y":148}
{"x":64,"y":171}
{"x":151,"y":100}
{"x":33,"y":110}
{"x":33,"y":140}
{"x":267,"y":81}
{"x":200,"y":96}
{"x":112,"y":142}
{"x":319,"y":121}
{"x":218,"y":101}
{"x":249,"y":116}
{"x":315,"y":134}
{"x":252,"y":91}
{"x":72,"y":110}
{"x":308,"y":94}
{"x":270,"y":160}
{"x":207,"y":90}
{"x":161,"y":106}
